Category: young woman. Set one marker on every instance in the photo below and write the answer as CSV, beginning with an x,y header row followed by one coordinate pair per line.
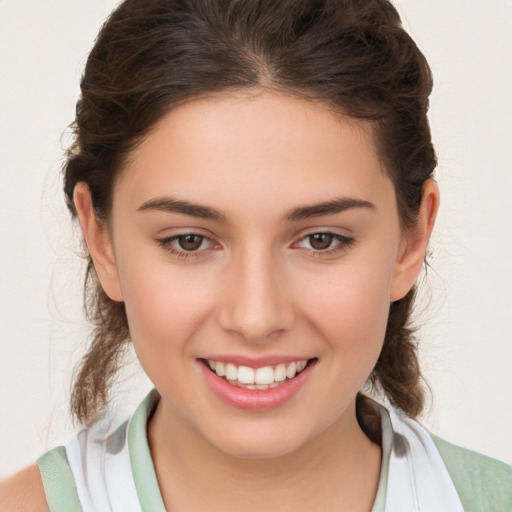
x,y
254,184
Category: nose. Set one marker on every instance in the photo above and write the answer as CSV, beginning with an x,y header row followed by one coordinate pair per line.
x,y
255,304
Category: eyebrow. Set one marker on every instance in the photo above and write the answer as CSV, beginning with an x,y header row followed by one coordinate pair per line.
x,y
171,205
331,207
327,208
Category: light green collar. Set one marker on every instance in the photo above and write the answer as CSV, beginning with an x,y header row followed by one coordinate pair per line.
x,y
140,457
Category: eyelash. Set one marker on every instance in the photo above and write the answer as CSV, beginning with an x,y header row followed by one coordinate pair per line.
x,y
344,243
166,243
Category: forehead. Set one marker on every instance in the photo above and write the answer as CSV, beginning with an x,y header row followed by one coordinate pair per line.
x,y
253,151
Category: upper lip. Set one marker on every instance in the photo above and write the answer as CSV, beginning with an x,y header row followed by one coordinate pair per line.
x,y
256,362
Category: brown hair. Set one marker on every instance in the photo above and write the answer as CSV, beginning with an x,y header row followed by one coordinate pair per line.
x,y
151,55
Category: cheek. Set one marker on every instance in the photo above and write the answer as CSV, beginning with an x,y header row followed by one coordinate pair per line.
x,y
350,308
165,304
351,314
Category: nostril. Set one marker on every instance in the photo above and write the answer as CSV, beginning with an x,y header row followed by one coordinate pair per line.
x,y
256,317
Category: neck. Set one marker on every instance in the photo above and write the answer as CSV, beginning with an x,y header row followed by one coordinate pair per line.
x,y
337,470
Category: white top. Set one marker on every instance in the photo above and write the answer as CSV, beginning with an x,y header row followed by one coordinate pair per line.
x,y
112,468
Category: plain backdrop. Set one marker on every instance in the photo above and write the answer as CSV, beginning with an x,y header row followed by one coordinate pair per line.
x,y
466,317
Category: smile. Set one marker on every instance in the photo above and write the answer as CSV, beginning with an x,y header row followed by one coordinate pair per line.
x,y
266,377
257,389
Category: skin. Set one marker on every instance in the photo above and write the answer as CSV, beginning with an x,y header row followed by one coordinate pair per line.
x,y
257,287
23,492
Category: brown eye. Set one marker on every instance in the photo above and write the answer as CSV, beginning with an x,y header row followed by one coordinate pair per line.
x,y
320,241
190,242
187,245
324,244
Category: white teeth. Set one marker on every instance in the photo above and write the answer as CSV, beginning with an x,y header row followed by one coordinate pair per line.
x,y
266,377
231,372
280,373
291,370
220,369
246,375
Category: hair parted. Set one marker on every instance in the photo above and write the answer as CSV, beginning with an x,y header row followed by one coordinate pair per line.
x,y
152,55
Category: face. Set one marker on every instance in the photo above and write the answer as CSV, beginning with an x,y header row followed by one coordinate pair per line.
x,y
256,231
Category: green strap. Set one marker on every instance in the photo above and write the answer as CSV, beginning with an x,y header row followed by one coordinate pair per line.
x,y
58,482
140,456
483,484
387,443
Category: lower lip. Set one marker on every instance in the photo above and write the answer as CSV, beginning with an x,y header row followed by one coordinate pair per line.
x,y
251,399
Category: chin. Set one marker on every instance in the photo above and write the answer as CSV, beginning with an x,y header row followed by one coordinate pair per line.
x,y
259,448
267,440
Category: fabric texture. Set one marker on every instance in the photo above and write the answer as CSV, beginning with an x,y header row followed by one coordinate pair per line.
x,y
483,484
58,481
108,467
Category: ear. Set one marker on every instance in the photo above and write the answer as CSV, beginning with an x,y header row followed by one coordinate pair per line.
x,y
415,242
98,240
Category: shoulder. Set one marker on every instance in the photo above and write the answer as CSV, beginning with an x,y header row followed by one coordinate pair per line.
x,y
23,492
483,483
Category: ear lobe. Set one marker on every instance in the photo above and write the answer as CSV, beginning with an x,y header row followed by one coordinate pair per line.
x,y
415,243
97,238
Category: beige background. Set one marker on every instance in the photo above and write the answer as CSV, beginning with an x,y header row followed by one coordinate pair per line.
x,y
467,326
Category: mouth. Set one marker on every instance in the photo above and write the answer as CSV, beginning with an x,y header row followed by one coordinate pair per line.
x,y
256,389
260,379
